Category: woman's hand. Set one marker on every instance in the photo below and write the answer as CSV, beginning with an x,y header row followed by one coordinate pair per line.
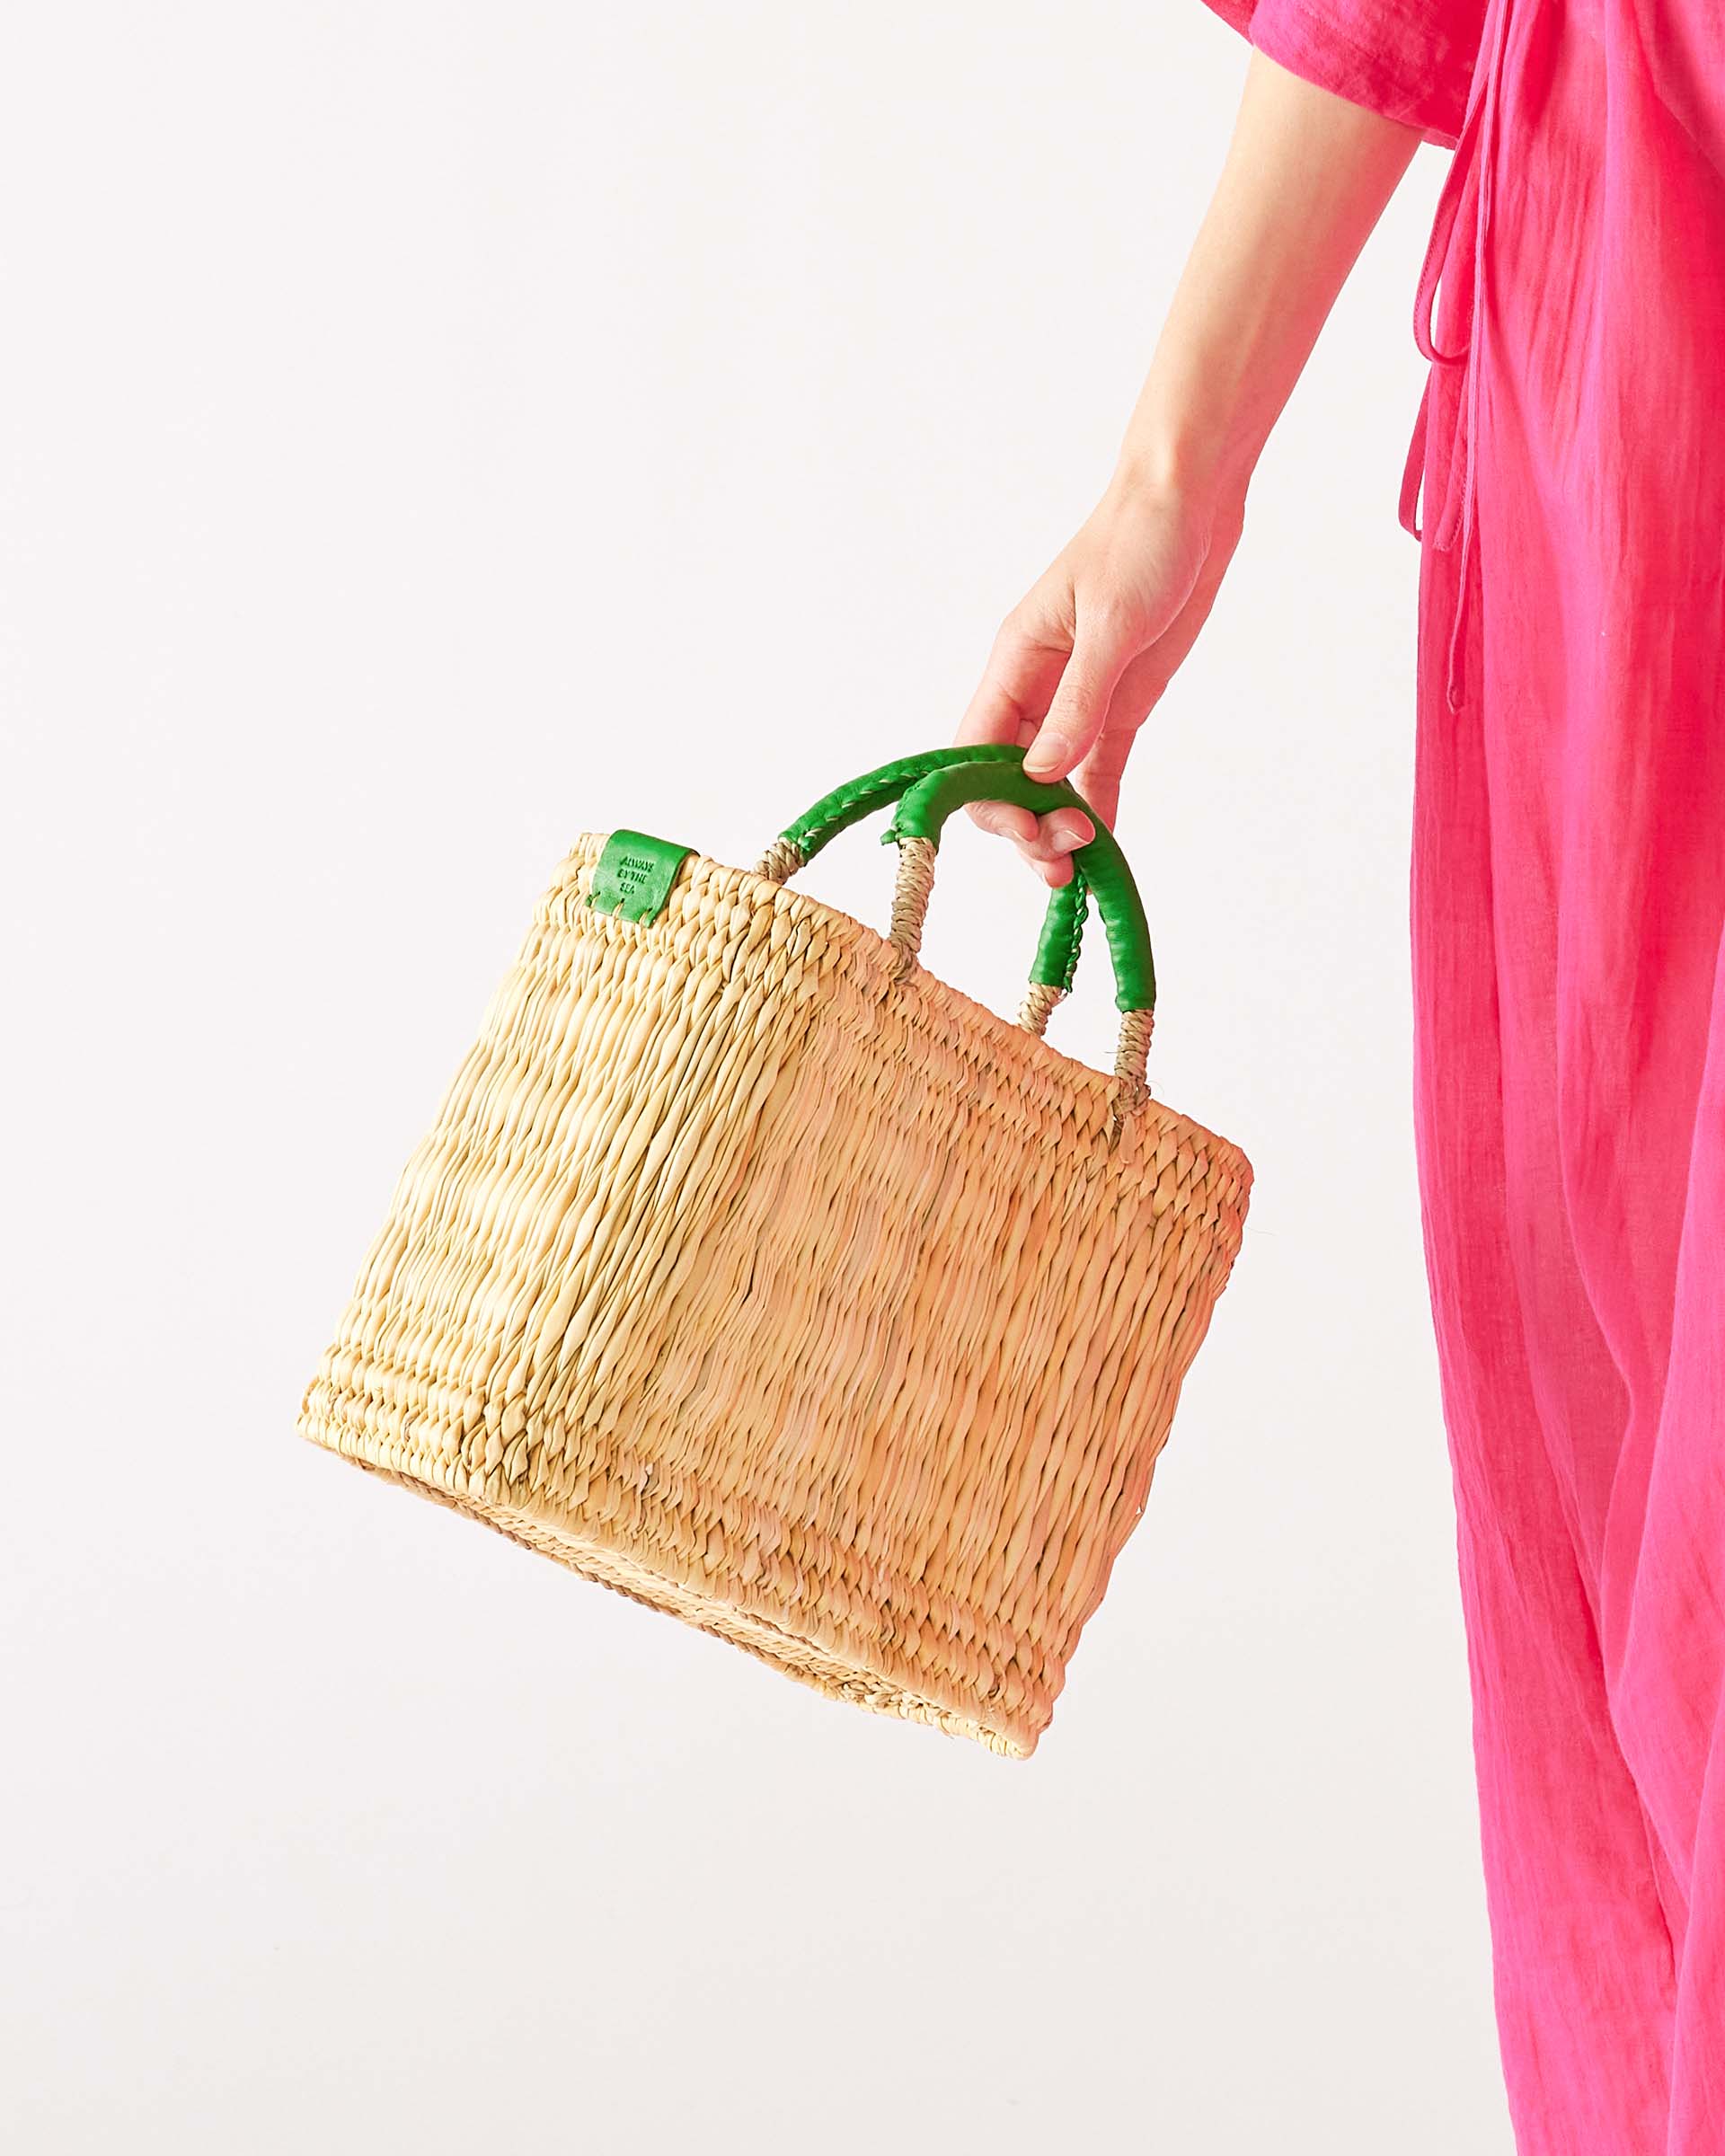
x,y
1084,656
1080,661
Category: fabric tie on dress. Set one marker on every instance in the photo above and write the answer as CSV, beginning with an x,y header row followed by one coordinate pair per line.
x,y
1474,155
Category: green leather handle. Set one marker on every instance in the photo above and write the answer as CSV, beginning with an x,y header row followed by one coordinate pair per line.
x,y
930,786
1063,929
1056,951
926,806
846,805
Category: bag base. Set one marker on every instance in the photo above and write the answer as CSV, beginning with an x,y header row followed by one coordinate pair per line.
x,y
606,1562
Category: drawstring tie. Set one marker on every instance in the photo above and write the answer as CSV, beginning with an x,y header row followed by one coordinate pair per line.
x,y
1456,514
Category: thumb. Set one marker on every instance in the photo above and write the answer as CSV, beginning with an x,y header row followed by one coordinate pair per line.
x,y
1079,706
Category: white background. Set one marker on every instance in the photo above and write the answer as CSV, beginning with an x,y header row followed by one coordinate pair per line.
x,y
427,432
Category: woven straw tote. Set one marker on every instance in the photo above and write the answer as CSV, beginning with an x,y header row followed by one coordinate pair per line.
x,y
753,1272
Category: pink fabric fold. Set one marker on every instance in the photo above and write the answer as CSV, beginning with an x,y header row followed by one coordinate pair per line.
x,y
1568,917
1409,60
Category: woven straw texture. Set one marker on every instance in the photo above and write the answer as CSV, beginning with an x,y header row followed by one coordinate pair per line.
x,y
817,1305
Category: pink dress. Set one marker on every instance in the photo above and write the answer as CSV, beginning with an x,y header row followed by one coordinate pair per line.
x,y
1568,479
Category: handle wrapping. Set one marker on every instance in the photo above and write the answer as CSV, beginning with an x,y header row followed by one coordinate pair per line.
x,y
925,807
927,788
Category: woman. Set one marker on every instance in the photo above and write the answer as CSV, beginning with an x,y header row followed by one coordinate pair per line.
x,y
1567,480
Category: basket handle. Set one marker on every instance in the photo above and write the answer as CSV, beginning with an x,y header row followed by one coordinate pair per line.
x,y
927,788
1057,953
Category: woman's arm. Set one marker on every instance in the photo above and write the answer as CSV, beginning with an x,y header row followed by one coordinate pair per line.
x,y
1084,657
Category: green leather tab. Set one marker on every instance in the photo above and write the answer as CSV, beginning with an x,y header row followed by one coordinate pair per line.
x,y
634,875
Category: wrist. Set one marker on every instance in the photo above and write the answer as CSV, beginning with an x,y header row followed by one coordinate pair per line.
x,y
1183,460
1187,479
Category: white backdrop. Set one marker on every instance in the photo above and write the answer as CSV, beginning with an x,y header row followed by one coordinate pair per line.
x,y
427,432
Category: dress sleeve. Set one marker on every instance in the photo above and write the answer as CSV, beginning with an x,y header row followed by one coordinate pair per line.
x,y
1409,60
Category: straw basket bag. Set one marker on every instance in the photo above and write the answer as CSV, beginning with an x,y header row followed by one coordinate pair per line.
x,y
755,1272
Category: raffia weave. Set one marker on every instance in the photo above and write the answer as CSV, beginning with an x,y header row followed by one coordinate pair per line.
x,y
819,1306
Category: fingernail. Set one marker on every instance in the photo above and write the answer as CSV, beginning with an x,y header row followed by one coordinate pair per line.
x,y
1066,841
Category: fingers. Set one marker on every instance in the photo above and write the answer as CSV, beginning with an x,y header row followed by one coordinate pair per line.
x,y
1140,689
1028,686
1098,777
1082,660
1056,838
1080,705
1130,617
1027,682
1017,683
1004,821
1022,674
1046,842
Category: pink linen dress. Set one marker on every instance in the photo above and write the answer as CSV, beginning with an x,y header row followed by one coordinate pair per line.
x,y
1567,480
